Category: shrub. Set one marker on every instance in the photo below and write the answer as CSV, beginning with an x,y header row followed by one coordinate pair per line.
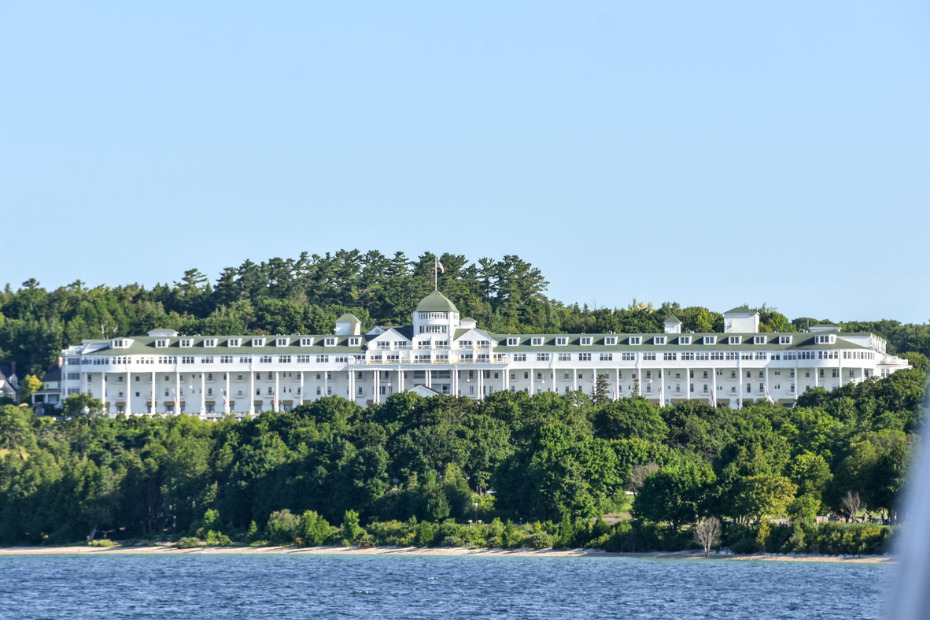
x,y
282,527
539,540
189,542
102,542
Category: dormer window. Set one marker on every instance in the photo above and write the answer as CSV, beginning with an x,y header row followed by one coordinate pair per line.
x,y
282,342
610,341
784,340
734,339
585,340
758,339
659,340
161,343
513,342
329,342
536,341
186,343
234,342
710,340
120,343
306,342
561,341
209,342
355,341
825,339
684,340
258,342
636,340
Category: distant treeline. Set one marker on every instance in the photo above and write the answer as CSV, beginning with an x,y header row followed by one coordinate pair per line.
x,y
287,296
559,461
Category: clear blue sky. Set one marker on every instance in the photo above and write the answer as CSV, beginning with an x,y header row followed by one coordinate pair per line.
x,y
706,153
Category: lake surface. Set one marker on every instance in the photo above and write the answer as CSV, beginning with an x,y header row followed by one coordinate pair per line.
x,y
379,586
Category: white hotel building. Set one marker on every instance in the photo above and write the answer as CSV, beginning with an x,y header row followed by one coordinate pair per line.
x,y
213,376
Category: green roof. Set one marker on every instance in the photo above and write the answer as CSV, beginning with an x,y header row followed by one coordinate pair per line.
x,y
436,302
348,318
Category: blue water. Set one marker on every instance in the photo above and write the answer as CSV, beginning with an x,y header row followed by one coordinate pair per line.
x,y
379,586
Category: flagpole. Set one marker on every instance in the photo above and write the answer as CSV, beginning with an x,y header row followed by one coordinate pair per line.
x,y
435,273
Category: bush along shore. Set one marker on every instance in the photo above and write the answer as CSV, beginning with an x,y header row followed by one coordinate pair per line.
x,y
630,536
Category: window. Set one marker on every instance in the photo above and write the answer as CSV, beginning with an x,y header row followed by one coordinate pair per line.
x,y
519,357
659,340
258,342
329,342
234,342
209,342
282,342
561,341
512,342
565,357
610,341
628,357
784,340
355,341
684,340
710,340
186,343
669,357
226,359
306,342
758,339
607,357
635,340
542,357
536,341
584,357
734,339
284,359
161,343
649,357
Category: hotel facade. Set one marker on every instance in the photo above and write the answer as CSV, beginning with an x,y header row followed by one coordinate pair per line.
x,y
442,353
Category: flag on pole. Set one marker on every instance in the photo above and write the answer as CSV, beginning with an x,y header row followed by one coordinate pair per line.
x,y
439,266
713,400
768,397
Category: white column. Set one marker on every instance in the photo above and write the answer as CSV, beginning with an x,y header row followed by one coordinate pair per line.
x,y
177,390
154,405
713,385
226,395
128,393
203,391
687,383
301,399
739,376
574,379
251,390
277,391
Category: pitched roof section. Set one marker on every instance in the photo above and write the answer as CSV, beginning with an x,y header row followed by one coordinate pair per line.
x,y
740,310
436,302
348,318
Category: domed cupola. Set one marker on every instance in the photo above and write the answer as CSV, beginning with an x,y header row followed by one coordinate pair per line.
x,y
435,314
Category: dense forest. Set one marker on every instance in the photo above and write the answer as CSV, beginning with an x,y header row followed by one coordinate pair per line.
x,y
417,471
287,296
512,470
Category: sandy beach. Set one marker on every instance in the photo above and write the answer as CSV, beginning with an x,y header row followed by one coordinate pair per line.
x,y
165,549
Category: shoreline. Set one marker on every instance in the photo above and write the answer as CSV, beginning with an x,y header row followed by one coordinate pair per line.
x,y
166,549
